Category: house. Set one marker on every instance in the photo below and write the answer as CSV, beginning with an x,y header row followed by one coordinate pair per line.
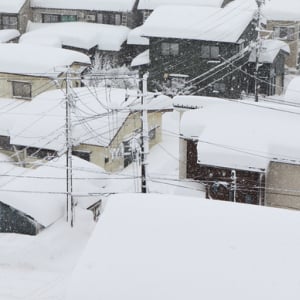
x,y
106,126
283,23
169,247
14,14
33,199
146,7
113,12
107,42
205,53
222,147
271,71
28,70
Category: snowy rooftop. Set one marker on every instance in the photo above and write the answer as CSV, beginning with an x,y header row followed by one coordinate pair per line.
x,y
40,193
11,6
7,35
77,34
135,37
236,141
292,93
141,59
199,23
37,60
288,10
270,49
169,247
48,111
152,4
100,5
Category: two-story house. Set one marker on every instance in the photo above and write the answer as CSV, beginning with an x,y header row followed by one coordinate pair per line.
x,y
205,52
283,23
146,7
113,12
14,14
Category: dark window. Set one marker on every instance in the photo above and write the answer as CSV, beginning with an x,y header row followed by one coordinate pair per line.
x,y
284,32
9,22
109,18
170,48
50,18
82,154
21,89
152,134
209,52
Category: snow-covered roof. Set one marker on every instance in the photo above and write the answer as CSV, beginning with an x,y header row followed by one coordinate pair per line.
x,y
40,193
269,50
7,35
153,4
100,5
141,59
77,34
292,93
169,247
135,37
37,60
245,136
278,10
42,124
11,6
199,23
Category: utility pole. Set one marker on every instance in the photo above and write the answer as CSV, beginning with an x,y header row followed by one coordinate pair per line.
x,y
233,185
144,137
257,48
69,147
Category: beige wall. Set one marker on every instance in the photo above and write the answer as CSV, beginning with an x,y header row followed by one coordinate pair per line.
x,y
292,59
24,16
182,158
283,185
38,84
113,152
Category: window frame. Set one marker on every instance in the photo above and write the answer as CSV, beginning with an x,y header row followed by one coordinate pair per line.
x,y
22,95
210,52
170,49
9,25
286,33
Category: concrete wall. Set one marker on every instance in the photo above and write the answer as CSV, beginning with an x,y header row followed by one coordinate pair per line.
x,y
24,16
292,59
283,185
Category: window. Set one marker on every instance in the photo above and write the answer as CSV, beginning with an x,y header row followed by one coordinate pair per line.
x,y
68,18
209,52
219,87
21,89
152,134
109,18
170,48
50,18
9,22
284,32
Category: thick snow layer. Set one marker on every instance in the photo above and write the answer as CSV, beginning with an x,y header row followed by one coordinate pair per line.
x,y
152,4
77,34
100,5
199,23
287,10
141,59
37,60
292,93
245,136
7,35
167,247
104,111
135,37
11,6
40,193
38,267
269,50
